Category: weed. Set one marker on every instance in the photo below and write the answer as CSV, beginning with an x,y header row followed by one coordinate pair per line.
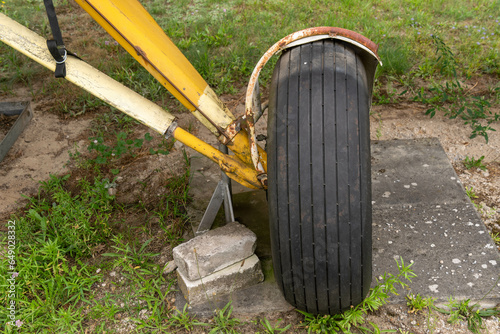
x,y
470,163
395,55
163,148
183,320
50,291
76,158
454,100
270,329
496,239
171,209
470,193
104,122
473,314
354,317
418,303
139,80
131,258
223,322
153,293
386,95
445,61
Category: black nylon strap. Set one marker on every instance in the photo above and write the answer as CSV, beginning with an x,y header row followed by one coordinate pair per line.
x,y
56,45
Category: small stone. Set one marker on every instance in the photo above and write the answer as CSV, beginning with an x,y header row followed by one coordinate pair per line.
x,y
171,266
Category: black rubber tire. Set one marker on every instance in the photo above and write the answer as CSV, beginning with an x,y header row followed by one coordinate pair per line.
x,y
319,177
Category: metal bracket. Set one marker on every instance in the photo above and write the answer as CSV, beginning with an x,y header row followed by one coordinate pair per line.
x,y
222,194
23,109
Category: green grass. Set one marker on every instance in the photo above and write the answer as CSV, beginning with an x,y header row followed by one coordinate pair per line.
x,y
417,303
273,329
73,224
471,162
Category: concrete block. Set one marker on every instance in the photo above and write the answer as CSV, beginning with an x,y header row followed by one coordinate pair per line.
x,y
214,250
239,275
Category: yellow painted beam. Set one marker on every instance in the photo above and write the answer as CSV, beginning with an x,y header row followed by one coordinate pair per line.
x,y
128,22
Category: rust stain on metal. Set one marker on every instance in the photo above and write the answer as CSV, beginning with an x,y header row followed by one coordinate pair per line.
x,y
232,130
263,180
141,52
333,32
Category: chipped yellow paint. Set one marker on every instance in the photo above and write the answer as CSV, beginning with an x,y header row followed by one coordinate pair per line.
x,y
212,106
232,166
240,146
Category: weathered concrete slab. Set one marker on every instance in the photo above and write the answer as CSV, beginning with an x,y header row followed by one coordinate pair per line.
x,y
427,218
214,250
421,213
211,288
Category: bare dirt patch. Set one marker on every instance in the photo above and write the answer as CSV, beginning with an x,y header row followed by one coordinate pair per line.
x,y
41,149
